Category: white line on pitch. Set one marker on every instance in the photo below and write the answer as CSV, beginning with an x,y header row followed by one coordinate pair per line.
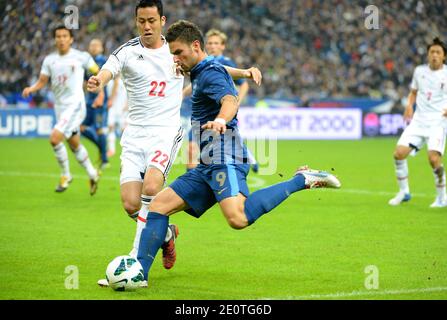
x,y
358,294
253,182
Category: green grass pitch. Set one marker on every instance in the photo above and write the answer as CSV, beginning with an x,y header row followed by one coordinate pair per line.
x,y
316,245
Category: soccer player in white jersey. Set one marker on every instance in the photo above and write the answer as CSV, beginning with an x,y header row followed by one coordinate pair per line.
x,y
153,135
428,124
66,69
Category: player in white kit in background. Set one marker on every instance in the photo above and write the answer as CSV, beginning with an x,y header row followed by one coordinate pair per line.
x,y
428,124
66,69
117,114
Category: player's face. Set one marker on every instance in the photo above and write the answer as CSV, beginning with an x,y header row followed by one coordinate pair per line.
x,y
149,25
63,40
214,46
95,47
186,56
436,57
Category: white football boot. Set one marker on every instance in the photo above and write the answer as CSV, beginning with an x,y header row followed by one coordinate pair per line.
x,y
399,198
440,202
318,178
105,283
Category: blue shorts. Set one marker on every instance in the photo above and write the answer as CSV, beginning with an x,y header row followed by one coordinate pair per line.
x,y
96,117
205,185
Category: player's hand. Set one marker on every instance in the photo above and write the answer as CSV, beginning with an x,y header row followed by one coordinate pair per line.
x,y
444,113
215,126
408,114
254,74
109,103
26,92
94,84
179,70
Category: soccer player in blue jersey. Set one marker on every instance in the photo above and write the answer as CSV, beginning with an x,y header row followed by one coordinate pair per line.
x,y
221,175
95,126
215,46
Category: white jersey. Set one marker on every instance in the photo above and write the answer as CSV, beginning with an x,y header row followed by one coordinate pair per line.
x,y
431,99
154,91
67,76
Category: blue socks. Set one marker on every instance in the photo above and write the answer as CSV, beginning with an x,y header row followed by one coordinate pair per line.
x,y
152,238
102,145
265,200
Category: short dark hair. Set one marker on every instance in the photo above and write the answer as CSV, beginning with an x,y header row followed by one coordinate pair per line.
x,y
185,31
150,3
62,27
438,42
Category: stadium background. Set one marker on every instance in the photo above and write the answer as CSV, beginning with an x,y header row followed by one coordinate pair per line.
x,y
314,54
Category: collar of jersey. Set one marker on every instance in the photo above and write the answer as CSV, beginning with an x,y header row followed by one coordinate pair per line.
x,y
197,68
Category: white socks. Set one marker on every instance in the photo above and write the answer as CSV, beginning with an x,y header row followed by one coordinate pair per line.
x,y
440,181
141,221
61,154
81,155
402,175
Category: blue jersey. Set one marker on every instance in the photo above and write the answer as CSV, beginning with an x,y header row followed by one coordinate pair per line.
x,y
226,61
210,83
100,61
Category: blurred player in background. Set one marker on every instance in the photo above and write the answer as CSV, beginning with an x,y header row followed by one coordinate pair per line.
x,y
428,124
66,68
117,107
215,46
95,126
220,177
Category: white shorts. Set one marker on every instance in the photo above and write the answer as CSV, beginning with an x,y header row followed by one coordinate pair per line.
x,y
144,147
416,135
70,118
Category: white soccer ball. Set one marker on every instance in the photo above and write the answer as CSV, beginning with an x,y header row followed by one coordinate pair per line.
x,y
124,273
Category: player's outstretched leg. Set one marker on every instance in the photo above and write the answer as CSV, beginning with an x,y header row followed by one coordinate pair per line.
x,y
265,200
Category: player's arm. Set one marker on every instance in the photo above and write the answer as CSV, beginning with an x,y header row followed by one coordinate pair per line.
x,y
41,82
97,83
243,91
228,110
251,73
408,114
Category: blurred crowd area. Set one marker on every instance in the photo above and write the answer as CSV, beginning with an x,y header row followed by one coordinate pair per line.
x,y
306,49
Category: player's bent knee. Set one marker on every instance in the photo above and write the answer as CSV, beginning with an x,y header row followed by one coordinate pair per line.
x,y
131,207
435,160
238,223
152,189
400,155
